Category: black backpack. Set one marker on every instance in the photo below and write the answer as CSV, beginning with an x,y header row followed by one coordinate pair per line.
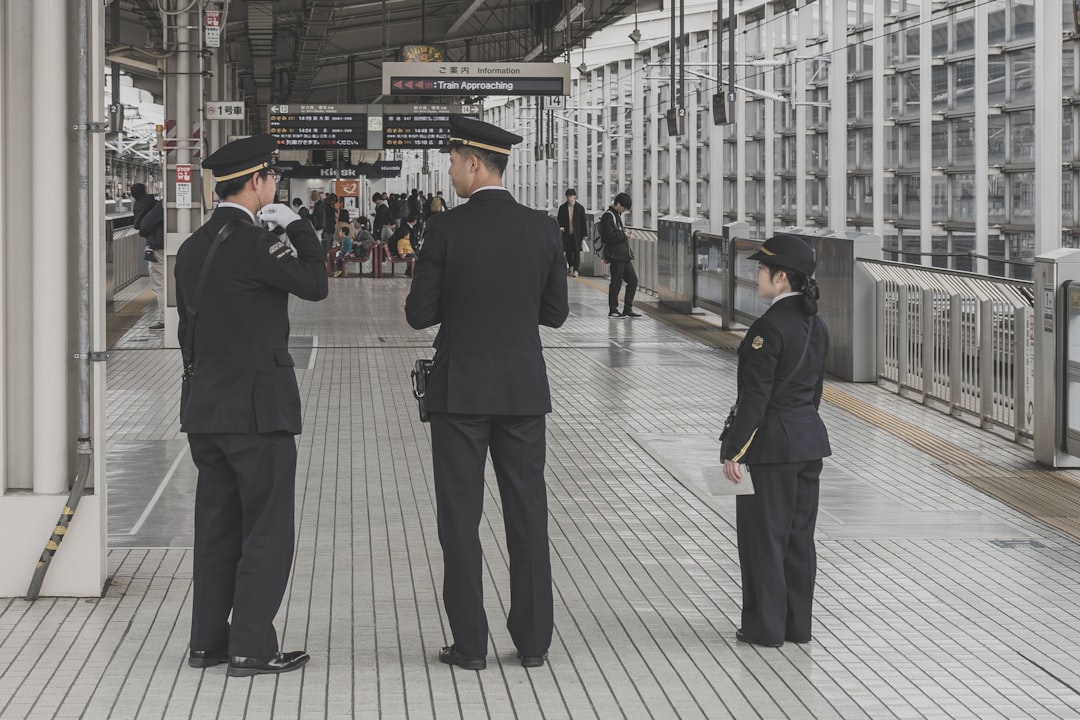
x,y
597,236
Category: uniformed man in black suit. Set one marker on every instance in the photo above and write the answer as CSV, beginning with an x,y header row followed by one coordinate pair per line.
x,y
491,272
778,433
240,406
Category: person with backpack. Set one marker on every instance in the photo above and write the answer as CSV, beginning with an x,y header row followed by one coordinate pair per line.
x,y
572,224
615,248
149,219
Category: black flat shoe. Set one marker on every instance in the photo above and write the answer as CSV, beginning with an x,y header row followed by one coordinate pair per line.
x,y
207,658
240,666
743,639
450,656
531,661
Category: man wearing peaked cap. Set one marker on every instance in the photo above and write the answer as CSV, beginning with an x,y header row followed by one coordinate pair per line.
x,y
240,406
491,272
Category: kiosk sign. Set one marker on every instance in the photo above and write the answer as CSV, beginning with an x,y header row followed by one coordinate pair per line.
x,y
476,78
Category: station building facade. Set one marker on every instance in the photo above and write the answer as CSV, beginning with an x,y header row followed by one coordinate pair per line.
x,y
922,121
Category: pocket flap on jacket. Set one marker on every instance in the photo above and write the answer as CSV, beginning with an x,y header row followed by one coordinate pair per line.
x,y
283,358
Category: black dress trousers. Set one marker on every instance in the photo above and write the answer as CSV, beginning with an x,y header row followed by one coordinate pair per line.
x,y
775,527
243,539
459,445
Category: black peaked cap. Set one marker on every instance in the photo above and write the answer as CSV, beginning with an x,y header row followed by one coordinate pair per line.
x,y
241,157
789,252
478,134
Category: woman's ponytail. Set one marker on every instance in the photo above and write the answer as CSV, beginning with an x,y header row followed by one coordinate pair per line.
x,y
809,288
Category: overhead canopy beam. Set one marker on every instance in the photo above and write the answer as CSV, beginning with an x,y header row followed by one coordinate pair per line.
x,y
476,5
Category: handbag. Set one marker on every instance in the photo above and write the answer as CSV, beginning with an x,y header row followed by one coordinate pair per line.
x,y
420,373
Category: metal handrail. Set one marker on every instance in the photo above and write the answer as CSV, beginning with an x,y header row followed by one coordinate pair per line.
x,y
962,341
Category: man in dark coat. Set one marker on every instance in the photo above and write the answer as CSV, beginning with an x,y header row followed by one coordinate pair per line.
x,y
617,253
148,217
490,271
572,223
240,407
382,213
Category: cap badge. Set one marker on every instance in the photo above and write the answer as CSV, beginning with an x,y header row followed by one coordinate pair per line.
x,y
758,342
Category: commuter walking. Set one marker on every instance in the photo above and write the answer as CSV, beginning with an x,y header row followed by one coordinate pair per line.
x,y
148,217
572,225
240,406
618,255
490,271
777,432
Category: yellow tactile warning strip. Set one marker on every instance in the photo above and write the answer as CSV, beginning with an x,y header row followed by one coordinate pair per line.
x,y
120,321
1050,497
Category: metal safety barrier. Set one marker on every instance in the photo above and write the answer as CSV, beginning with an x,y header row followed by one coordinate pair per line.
x,y
960,341
124,262
643,245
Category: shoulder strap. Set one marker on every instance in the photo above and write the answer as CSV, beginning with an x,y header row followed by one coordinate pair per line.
x,y
187,348
802,356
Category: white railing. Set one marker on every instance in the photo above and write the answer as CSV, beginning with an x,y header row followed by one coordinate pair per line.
x,y
959,341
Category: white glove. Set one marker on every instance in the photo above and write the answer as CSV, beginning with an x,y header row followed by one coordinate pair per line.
x,y
277,214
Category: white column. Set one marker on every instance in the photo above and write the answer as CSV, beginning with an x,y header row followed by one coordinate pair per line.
x,y
769,127
50,229
691,149
801,77
837,210
926,155
739,118
654,154
637,150
982,135
1048,81
716,143
878,131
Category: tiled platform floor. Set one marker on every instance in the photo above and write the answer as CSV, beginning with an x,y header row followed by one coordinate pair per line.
x,y
933,599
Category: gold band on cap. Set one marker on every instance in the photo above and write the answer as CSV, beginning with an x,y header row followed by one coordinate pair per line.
x,y
766,250
260,166
482,146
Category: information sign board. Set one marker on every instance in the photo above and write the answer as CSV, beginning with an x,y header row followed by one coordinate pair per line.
x,y
183,186
467,78
212,23
332,127
223,110
420,127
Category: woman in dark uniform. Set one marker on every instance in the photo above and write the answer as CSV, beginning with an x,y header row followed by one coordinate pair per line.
x,y
778,433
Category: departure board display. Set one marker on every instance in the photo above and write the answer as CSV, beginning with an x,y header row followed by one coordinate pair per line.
x,y
314,127
420,127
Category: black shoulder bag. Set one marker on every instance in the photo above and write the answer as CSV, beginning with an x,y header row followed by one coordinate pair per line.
x,y
187,346
730,420
420,374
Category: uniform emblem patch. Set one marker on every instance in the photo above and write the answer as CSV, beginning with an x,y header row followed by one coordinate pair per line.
x,y
758,342
280,250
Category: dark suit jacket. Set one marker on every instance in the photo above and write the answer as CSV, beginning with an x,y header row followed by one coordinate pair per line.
x,y
613,232
491,271
244,380
784,427
382,215
579,220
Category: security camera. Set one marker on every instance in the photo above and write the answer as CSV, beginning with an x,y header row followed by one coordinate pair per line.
x,y
583,68
635,35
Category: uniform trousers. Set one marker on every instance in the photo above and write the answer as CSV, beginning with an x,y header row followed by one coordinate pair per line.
x,y
776,551
572,248
243,539
459,447
622,270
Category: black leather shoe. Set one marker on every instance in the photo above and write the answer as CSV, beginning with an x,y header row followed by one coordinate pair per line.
x,y
630,314
743,639
207,658
450,656
531,661
797,641
240,666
